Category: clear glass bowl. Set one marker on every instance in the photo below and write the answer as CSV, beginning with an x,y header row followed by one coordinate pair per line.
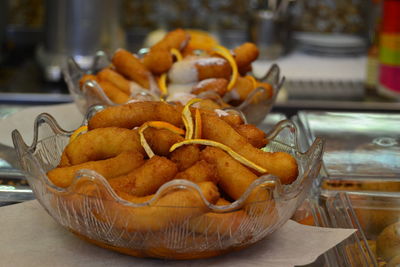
x,y
93,211
257,105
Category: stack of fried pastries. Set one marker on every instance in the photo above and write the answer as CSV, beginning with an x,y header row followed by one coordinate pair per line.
x,y
140,146
182,66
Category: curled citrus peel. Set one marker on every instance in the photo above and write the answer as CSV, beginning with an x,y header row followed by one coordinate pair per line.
x,y
227,149
162,84
187,118
175,52
224,52
157,125
197,125
77,132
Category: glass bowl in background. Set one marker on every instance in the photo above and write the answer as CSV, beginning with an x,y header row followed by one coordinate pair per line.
x,y
93,211
255,107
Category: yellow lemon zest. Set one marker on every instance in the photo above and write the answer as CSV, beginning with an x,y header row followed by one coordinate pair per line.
x,y
78,132
177,54
232,153
187,118
224,52
197,125
162,84
157,125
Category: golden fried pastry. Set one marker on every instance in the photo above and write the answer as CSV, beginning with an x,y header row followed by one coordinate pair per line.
x,y
242,88
116,79
245,54
281,164
135,114
195,69
146,179
158,61
113,93
218,85
234,178
232,120
201,171
102,143
254,136
185,156
177,39
211,223
170,209
130,66
86,77
199,40
108,168
161,140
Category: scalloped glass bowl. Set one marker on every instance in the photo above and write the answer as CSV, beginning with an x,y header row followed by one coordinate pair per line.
x,y
90,208
257,105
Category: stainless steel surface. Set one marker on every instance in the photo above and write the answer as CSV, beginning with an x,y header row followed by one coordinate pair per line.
x,y
270,33
14,194
325,90
78,29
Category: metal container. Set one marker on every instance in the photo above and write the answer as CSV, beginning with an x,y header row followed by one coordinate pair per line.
x,y
270,32
78,29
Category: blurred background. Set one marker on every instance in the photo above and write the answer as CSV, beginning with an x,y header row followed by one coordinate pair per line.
x,y
327,49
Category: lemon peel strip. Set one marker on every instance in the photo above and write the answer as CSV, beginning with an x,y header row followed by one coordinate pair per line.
x,y
187,118
197,125
224,52
162,84
227,149
177,54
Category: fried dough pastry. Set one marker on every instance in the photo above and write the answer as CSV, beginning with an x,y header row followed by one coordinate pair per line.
x,y
185,156
234,178
177,39
135,114
254,136
242,88
232,120
170,209
201,171
159,59
86,77
218,223
146,179
109,168
245,54
160,140
116,79
281,164
130,66
218,85
102,143
114,93
199,40
194,69
267,87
